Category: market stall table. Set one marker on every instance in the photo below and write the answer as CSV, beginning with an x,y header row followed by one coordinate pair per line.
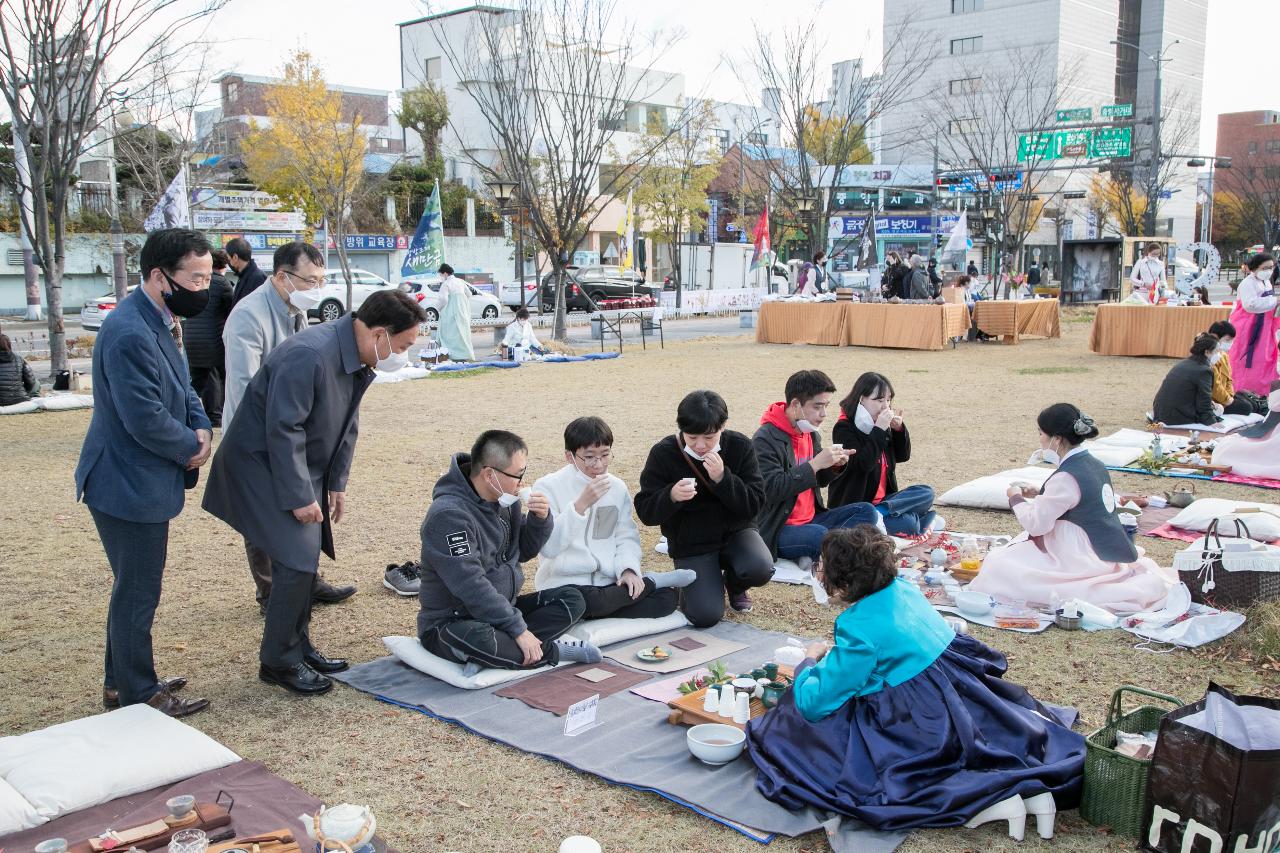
x,y
1013,319
865,324
1151,329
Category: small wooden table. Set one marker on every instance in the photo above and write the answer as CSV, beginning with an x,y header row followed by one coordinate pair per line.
x,y
1011,319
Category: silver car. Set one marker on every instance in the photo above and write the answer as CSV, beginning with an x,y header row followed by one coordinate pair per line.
x,y
333,293
96,310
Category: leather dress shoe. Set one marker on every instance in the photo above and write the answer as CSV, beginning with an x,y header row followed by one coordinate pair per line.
x,y
326,593
166,703
298,678
111,696
322,664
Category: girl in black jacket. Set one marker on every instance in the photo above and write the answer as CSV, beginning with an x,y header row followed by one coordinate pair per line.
x,y
703,486
1186,395
877,439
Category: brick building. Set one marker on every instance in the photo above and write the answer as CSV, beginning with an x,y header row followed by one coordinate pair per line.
x,y
1252,141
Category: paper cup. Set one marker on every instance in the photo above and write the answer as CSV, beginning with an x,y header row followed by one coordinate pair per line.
x,y
524,494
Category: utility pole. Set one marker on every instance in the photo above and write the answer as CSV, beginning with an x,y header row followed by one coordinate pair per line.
x,y
933,201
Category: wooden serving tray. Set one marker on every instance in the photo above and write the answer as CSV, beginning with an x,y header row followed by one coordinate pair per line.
x,y
266,844
687,710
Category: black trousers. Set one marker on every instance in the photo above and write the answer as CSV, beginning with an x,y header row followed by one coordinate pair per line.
x,y
614,601
136,552
260,569
286,635
208,383
547,614
741,563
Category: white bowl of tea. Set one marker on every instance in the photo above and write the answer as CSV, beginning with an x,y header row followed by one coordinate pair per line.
x,y
716,743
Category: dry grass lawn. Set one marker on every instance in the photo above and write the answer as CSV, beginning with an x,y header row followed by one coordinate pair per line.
x,y
434,786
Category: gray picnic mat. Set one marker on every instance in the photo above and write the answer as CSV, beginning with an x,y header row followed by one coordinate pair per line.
x,y
634,745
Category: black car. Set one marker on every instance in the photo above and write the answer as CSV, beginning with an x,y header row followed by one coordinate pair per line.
x,y
585,287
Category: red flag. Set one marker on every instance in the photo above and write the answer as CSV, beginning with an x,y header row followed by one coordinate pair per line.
x,y
763,252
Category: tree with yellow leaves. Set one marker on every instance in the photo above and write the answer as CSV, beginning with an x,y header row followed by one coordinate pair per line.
x,y
835,139
1115,198
311,154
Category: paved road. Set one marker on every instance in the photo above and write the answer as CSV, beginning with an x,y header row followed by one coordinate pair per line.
x,y
33,336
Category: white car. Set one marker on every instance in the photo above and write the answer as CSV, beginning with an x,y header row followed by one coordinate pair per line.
x,y
96,310
333,293
427,292
510,294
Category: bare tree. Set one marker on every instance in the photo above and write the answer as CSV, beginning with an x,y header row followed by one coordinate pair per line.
x,y
825,134
1246,201
557,84
63,69
976,134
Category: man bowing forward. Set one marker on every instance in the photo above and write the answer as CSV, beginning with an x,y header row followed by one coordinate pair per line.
x,y
279,476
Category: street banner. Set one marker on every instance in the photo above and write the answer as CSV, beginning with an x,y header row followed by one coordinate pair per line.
x,y
426,252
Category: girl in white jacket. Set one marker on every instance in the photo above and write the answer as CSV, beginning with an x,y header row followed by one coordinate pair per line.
x,y
595,543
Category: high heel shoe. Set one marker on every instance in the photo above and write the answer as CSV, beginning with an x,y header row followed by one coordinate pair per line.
x,y
1046,812
1013,810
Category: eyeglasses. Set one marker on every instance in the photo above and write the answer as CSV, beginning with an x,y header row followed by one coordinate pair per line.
x,y
602,459
517,477
198,282
314,281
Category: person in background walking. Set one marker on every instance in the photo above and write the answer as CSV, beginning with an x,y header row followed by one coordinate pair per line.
x,y
455,316
17,383
248,277
145,445
202,339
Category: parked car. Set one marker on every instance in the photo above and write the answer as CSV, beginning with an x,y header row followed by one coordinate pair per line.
x,y
96,310
510,294
333,293
587,286
427,292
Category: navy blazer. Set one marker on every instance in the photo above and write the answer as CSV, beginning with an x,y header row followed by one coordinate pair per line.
x,y
145,414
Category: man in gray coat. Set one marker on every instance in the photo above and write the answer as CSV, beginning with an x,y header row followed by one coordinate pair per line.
x,y
279,476
259,323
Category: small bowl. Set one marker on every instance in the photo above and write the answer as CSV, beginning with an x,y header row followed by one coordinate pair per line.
x,y
744,685
1065,622
716,743
180,806
975,604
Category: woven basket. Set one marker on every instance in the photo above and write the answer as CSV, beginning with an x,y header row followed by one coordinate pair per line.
x,y
1115,785
1228,579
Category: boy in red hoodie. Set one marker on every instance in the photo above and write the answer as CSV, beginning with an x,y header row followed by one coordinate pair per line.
x,y
795,467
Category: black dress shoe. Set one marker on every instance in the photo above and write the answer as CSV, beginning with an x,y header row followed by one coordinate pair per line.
x,y
166,703
298,678
111,696
320,663
326,593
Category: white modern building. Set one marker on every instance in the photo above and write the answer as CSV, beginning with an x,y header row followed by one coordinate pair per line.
x,y
742,123
1070,44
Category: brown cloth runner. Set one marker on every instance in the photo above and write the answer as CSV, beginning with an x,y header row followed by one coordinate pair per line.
x,y
1015,318
263,802
1151,329
557,689
866,324
711,648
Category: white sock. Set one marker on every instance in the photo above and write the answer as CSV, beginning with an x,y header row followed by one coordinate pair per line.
x,y
578,651
674,578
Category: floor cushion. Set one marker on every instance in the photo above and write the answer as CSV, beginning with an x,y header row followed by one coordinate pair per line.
x,y
409,651
26,407
16,814
990,492
606,632
1263,526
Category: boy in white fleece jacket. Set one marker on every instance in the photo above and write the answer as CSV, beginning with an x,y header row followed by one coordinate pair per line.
x,y
595,544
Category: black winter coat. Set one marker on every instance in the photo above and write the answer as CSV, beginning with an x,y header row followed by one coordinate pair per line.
x,y
249,280
202,334
1186,395
895,276
701,525
861,476
17,382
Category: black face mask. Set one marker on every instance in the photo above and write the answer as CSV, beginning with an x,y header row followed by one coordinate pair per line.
x,y
183,302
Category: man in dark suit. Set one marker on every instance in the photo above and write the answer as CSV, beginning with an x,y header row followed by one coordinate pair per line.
x,y
148,437
280,474
248,277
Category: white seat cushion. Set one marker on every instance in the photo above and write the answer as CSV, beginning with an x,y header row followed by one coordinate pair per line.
x,y
409,651
26,407
65,402
1263,526
86,762
606,632
16,814
990,492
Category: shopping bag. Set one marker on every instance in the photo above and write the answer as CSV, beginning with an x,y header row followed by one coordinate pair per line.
x,y
1215,777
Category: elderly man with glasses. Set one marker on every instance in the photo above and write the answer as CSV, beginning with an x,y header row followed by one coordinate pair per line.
x,y
259,323
595,544
474,538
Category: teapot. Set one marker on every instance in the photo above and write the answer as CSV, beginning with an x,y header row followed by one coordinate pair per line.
x,y
341,827
1181,497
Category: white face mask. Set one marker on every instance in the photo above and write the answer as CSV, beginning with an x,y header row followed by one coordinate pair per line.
x,y
1047,455
701,456
504,499
1225,346
303,300
862,419
1264,276
805,426
1215,357
393,361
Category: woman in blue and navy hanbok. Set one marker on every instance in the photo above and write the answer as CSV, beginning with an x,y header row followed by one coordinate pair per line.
x,y
903,723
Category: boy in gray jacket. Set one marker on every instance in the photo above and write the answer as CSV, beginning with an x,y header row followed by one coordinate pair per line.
x,y
474,539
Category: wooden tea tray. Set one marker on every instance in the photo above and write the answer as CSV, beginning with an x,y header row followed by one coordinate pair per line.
x,y
1208,469
687,710
266,844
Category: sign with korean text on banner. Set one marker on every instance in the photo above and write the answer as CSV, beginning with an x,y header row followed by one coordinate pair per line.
x,y
248,220
1117,111
1080,114
840,227
1098,142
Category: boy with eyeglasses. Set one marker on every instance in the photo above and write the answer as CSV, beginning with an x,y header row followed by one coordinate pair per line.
x,y
595,544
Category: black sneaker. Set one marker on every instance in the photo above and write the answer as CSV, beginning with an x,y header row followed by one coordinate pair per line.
x,y
403,579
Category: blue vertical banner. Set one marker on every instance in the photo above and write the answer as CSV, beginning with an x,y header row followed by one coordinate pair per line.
x,y
426,252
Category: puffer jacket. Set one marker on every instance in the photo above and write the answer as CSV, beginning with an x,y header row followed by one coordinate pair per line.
x,y
17,382
202,334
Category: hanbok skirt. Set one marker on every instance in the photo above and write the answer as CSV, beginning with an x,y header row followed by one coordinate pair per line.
x,y
1253,356
932,751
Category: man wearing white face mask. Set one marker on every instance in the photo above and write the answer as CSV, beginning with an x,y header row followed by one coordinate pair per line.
x,y
260,322
474,538
279,476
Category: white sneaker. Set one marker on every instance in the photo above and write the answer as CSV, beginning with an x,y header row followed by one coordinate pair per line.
x,y
938,524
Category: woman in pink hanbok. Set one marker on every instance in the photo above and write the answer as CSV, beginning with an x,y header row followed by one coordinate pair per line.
x,y
1074,546
1254,452
1253,358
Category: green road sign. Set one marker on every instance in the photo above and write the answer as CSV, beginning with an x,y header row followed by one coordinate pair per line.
x,y
1079,114
1117,111
1084,142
